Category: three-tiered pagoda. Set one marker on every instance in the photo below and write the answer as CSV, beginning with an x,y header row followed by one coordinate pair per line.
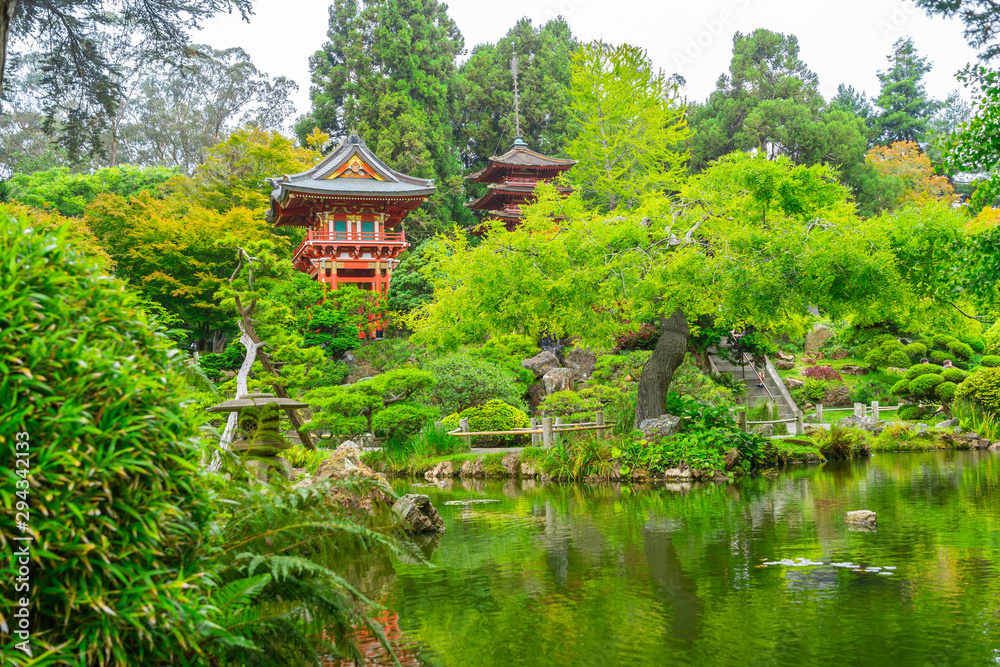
x,y
353,205
511,179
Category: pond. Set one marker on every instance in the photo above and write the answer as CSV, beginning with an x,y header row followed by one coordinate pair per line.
x,y
759,572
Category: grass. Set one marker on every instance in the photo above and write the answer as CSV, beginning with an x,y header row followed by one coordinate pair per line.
x,y
972,417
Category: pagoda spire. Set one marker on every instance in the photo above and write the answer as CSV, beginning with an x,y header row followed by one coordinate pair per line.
x,y
517,99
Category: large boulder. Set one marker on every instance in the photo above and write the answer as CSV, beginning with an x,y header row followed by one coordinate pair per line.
x,y
536,394
817,337
473,468
418,515
663,426
837,396
851,369
793,383
345,464
512,463
582,360
558,379
541,363
861,518
784,364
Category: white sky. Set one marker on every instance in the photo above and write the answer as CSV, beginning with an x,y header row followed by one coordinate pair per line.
x,y
844,41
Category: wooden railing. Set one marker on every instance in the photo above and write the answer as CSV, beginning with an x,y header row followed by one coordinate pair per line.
x,y
544,429
326,236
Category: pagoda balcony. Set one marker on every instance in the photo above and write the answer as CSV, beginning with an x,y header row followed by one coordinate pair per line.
x,y
521,181
321,242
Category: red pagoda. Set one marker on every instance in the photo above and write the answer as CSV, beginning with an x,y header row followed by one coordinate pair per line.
x,y
511,179
353,205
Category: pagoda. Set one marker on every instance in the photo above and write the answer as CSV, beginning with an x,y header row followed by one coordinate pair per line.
x,y
511,179
352,205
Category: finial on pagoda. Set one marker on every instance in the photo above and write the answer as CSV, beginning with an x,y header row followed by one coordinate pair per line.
x,y
517,99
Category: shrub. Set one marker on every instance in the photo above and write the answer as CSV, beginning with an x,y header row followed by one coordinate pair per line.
x,y
899,359
462,381
990,361
300,457
923,385
922,369
945,391
495,415
960,349
909,412
867,391
814,389
821,373
975,341
982,386
955,375
120,513
991,338
614,368
328,373
942,340
229,359
387,354
901,388
645,338
841,442
939,357
915,351
578,406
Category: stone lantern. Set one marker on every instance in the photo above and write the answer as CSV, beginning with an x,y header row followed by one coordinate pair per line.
x,y
258,432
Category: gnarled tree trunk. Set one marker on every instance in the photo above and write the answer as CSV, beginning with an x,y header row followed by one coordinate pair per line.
x,y
659,370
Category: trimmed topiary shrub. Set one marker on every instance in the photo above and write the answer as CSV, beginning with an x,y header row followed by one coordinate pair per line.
x,y
945,391
922,369
942,340
991,338
462,381
982,386
898,359
119,513
915,351
960,349
923,385
912,412
955,375
939,357
494,415
901,388
990,361
975,341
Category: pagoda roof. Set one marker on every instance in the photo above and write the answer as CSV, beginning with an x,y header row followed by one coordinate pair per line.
x,y
497,194
350,171
518,157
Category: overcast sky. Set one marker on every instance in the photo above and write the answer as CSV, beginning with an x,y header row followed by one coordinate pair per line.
x,y
843,41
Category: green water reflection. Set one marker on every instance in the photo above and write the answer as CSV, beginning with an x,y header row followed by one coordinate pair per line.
x,y
669,574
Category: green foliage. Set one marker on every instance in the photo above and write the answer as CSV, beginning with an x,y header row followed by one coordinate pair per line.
x,y
915,351
462,381
494,415
433,441
229,359
939,357
327,373
578,406
972,417
300,457
410,288
945,391
69,194
866,391
923,369
923,385
990,361
614,368
840,442
898,359
901,388
975,341
912,412
905,108
814,389
352,410
983,387
992,339
889,353
617,93
960,349
943,340
119,511
956,375
388,353
508,351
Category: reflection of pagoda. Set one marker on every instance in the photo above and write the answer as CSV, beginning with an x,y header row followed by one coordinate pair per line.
x,y
353,205
511,179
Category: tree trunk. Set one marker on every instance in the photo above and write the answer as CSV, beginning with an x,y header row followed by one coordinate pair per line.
x,y
219,341
7,8
659,370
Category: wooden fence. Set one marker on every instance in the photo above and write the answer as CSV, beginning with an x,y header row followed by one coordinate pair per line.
x,y
542,431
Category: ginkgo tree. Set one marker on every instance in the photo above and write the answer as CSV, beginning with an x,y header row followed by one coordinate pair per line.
x,y
750,241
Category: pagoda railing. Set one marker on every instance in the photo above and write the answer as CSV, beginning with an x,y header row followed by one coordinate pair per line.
x,y
529,182
325,236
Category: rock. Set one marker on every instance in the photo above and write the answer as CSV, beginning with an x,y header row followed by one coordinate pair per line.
x,y
851,369
582,360
345,463
815,338
893,370
861,518
793,383
672,473
558,379
659,427
837,396
720,476
785,356
732,458
512,463
285,466
536,394
418,513
349,358
840,354
766,430
995,447
784,364
442,470
541,363
473,468
982,444
948,423
528,471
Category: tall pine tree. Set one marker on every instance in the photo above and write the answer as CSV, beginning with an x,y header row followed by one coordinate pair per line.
x,y
904,107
